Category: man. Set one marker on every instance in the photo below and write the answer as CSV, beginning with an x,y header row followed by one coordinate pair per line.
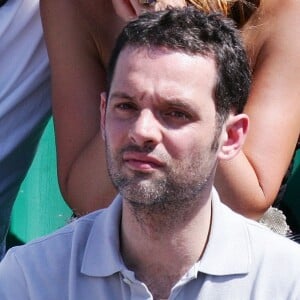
x,y
177,85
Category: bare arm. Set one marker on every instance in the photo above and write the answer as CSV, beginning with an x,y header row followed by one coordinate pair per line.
x,y
78,77
250,182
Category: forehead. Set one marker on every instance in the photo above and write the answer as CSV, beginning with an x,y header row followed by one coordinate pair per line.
x,y
164,73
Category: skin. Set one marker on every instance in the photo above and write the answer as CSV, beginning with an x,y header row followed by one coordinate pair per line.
x,y
79,56
251,181
155,126
145,117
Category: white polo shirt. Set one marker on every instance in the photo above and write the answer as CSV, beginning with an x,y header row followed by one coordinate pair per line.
x,y
242,260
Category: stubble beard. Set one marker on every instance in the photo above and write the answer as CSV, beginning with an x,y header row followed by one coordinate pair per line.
x,y
171,195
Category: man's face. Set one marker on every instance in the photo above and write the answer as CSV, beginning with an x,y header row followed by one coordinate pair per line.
x,y
159,125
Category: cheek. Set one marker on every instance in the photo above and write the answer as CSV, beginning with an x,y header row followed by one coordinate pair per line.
x,y
186,143
181,145
116,132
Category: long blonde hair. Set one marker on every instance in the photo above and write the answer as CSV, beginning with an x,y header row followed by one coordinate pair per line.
x,y
239,10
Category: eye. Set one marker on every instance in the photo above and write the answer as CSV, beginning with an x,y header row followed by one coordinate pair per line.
x,y
179,115
125,106
124,109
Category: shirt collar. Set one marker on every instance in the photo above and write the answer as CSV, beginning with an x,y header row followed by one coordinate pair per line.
x,y
102,255
227,252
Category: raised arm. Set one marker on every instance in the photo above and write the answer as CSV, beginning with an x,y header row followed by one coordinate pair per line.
x,y
250,182
78,78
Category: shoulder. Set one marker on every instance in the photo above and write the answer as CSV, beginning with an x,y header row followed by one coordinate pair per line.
x,y
272,25
277,13
89,27
273,270
59,245
84,247
270,248
277,7
31,266
262,242
271,256
93,11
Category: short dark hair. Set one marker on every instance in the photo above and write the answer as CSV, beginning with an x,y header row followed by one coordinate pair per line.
x,y
194,32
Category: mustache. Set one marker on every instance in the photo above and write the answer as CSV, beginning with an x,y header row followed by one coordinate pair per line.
x,y
136,148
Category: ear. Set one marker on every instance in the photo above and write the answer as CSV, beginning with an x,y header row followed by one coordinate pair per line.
x,y
236,129
103,113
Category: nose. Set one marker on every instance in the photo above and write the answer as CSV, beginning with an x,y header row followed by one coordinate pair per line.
x,y
146,129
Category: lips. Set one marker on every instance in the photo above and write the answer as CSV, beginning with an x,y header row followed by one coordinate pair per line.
x,y
142,161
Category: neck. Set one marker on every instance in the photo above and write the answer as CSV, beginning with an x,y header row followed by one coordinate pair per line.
x,y
161,246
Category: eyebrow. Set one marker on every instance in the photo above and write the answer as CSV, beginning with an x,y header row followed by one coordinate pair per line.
x,y
121,95
172,101
181,102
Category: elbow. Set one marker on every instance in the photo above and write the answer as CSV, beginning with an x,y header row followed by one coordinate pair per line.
x,y
252,205
63,181
84,194
258,206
